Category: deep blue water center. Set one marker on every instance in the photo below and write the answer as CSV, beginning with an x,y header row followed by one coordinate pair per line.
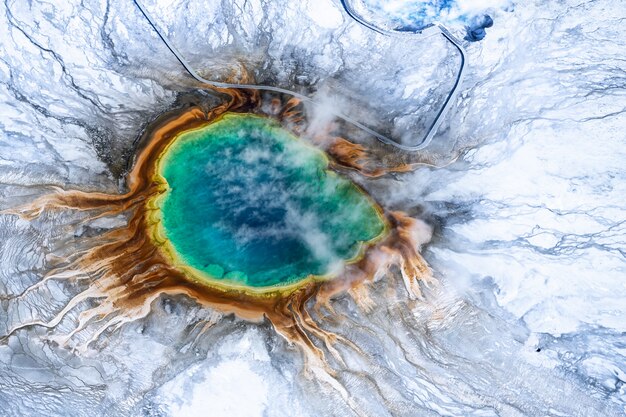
x,y
250,204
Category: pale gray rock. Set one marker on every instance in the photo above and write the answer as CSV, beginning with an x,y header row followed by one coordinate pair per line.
x,y
528,211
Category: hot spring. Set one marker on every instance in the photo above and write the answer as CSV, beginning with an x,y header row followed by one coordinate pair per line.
x,y
248,204
316,208
233,209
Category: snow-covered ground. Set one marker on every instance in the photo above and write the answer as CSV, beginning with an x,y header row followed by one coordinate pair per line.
x,y
528,210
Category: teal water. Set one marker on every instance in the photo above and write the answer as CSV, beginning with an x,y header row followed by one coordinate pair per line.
x,y
250,203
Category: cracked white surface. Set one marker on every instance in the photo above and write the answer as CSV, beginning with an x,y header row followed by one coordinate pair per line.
x,y
529,240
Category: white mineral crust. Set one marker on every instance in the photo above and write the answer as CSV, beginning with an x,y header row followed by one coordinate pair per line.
x,y
529,211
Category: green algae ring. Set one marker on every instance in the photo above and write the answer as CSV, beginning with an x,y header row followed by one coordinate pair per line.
x,y
247,205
